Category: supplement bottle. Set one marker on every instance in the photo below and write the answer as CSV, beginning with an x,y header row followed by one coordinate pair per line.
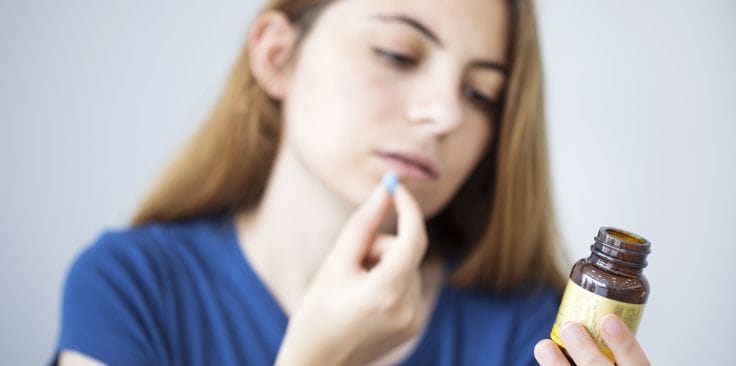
x,y
610,280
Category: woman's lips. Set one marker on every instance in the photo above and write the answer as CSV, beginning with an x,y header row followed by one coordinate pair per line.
x,y
410,166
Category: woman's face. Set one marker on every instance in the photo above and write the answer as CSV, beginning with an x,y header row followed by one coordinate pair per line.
x,y
405,85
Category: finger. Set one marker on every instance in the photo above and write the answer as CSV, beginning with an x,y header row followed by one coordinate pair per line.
x,y
622,343
377,249
581,346
548,354
402,258
354,241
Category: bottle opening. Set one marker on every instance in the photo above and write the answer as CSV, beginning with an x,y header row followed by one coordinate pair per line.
x,y
621,247
625,236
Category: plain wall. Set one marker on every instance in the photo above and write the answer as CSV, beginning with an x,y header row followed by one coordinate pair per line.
x,y
95,98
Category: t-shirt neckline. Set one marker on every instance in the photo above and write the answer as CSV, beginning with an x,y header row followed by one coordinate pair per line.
x,y
242,261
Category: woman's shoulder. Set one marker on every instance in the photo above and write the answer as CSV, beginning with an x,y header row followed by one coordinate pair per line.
x,y
503,324
156,237
514,315
123,287
146,254
532,297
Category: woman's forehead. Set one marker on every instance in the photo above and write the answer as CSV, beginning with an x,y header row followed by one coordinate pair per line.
x,y
477,27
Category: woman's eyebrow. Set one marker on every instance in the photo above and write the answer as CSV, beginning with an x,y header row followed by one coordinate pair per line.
x,y
417,25
493,65
425,31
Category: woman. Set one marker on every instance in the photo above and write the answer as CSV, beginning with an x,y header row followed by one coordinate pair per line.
x,y
272,238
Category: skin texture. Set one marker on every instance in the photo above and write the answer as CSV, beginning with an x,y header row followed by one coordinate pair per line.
x,y
347,100
347,92
345,97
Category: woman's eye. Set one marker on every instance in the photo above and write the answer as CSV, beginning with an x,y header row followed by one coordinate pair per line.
x,y
395,58
480,100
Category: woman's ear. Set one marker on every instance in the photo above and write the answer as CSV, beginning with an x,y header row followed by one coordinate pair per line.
x,y
271,42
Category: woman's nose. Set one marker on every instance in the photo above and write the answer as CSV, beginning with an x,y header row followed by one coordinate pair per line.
x,y
437,106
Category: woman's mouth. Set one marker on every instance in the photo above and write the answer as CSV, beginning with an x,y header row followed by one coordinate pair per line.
x,y
411,165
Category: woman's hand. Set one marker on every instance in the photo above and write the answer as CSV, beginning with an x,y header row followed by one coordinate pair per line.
x,y
584,350
354,312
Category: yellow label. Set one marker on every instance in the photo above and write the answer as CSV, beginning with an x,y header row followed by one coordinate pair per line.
x,y
582,306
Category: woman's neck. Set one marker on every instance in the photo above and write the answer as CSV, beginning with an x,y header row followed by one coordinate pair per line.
x,y
287,236
292,229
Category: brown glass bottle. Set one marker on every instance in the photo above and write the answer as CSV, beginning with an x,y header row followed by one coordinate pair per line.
x,y
610,280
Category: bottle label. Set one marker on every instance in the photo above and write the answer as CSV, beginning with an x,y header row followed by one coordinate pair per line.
x,y
582,306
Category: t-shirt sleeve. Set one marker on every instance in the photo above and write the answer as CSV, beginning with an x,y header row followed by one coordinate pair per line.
x,y
535,317
108,304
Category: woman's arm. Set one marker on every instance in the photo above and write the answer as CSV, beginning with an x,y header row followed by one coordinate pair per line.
x,y
74,358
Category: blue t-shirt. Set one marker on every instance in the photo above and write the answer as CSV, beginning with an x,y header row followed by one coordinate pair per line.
x,y
184,293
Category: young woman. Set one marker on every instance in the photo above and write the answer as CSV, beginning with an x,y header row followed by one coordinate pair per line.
x,y
274,239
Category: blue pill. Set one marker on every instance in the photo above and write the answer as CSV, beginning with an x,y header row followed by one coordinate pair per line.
x,y
390,181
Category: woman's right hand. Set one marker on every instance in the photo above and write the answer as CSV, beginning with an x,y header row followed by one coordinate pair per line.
x,y
352,313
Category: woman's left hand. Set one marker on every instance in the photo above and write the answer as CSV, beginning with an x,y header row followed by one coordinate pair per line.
x,y
583,349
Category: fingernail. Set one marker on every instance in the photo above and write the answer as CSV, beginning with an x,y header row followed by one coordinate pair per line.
x,y
571,332
612,326
545,350
390,181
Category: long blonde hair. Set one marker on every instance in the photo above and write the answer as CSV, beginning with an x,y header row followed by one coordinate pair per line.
x,y
500,226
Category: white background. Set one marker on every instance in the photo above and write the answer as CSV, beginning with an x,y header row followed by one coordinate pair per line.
x,y
95,97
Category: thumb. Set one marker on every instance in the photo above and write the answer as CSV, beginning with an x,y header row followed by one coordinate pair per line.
x,y
357,235
402,259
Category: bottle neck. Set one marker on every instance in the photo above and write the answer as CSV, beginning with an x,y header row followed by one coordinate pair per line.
x,y
612,265
619,252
